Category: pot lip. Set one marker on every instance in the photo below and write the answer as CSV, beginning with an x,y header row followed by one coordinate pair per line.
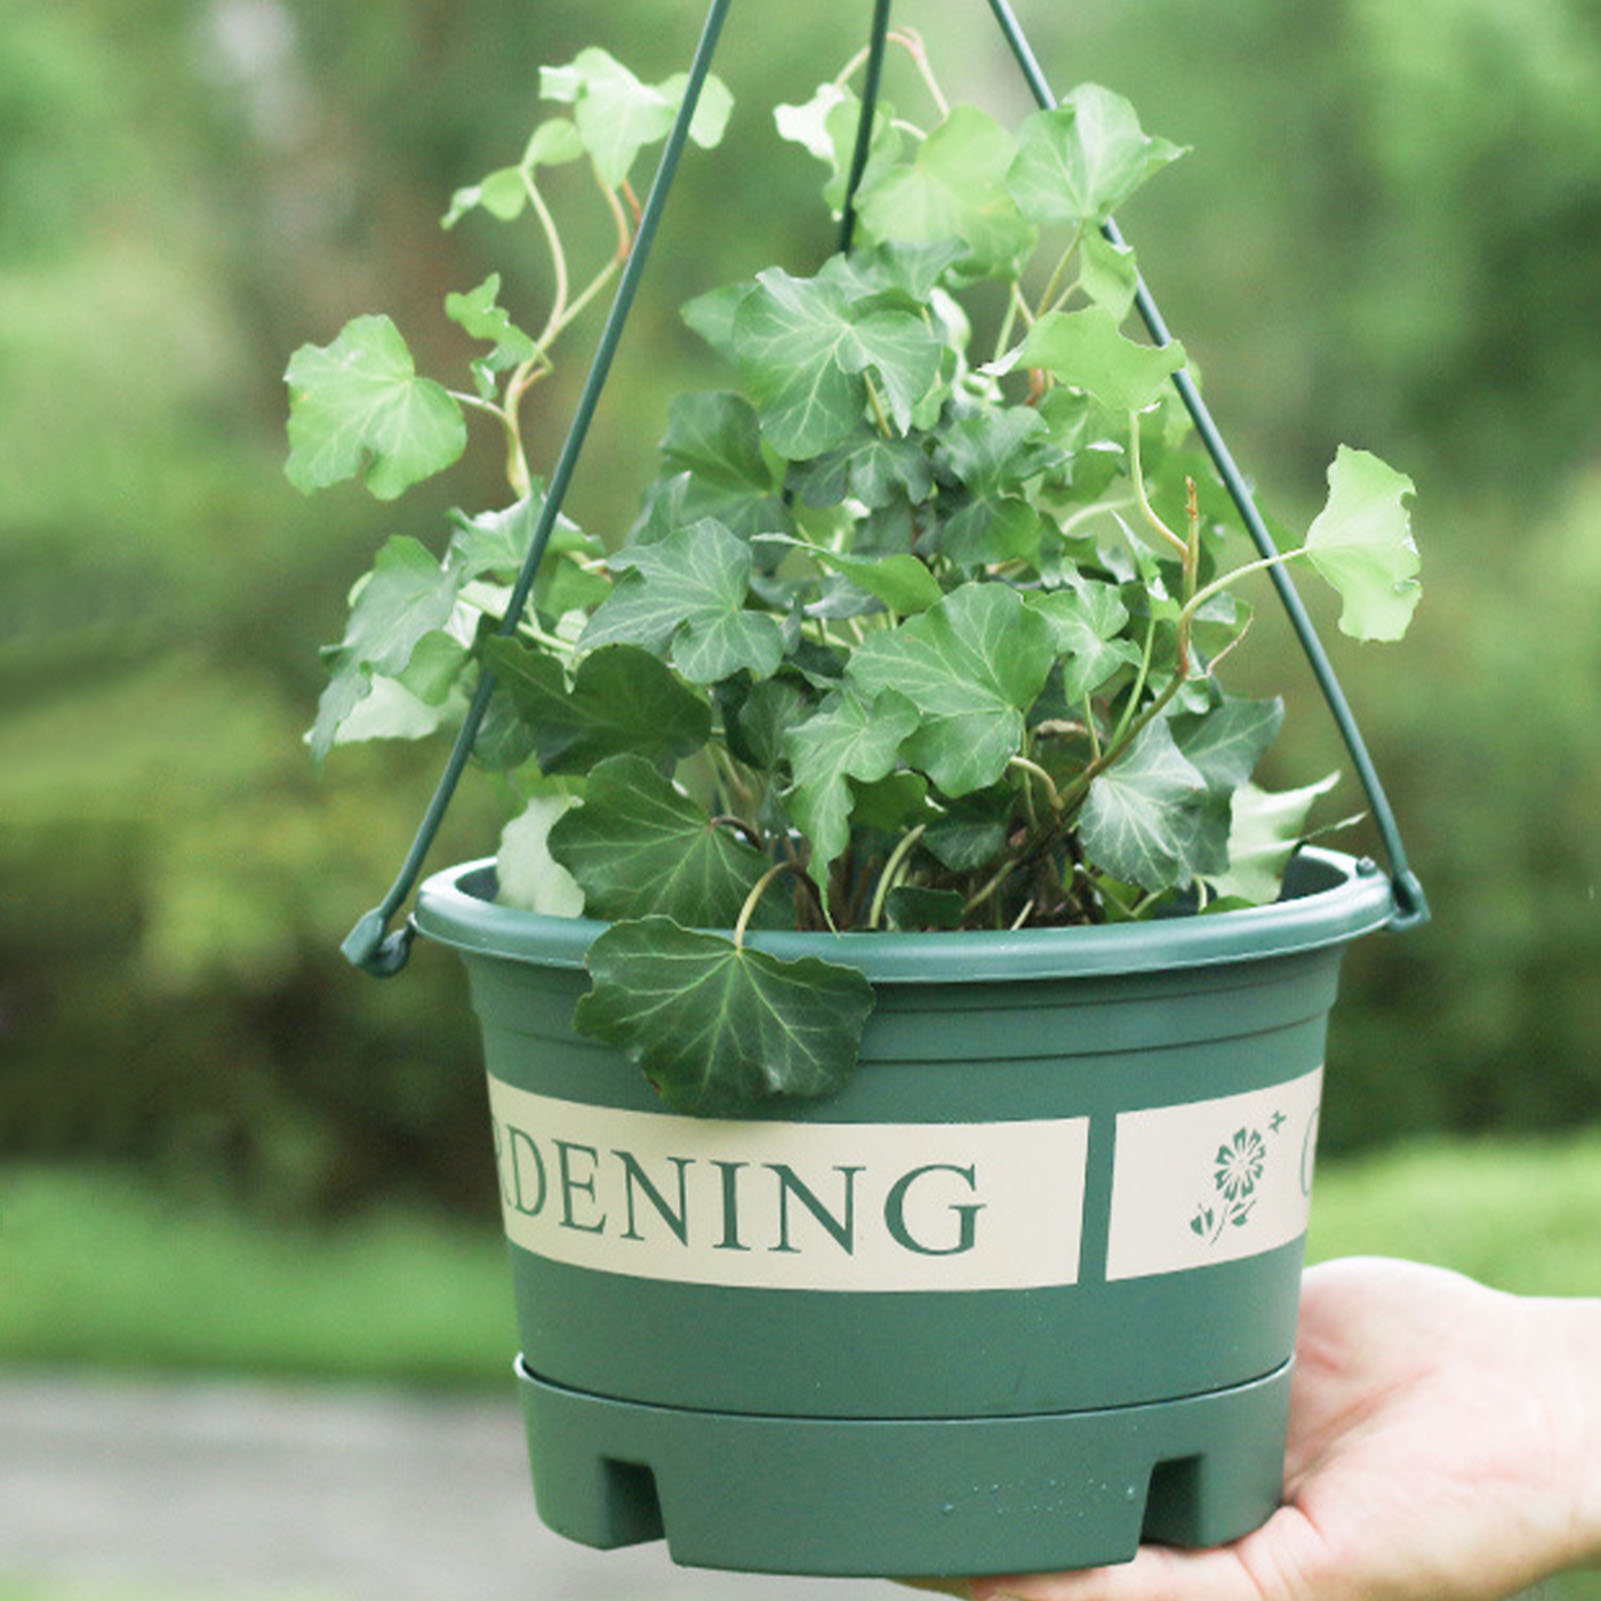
x,y
1342,897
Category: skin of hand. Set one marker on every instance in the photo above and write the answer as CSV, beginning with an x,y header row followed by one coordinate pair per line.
x,y
1445,1445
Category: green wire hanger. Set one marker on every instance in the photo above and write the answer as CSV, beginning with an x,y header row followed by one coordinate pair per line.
x,y
374,948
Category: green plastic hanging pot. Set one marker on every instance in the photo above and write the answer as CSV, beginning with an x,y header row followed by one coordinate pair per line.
x,y
1022,1294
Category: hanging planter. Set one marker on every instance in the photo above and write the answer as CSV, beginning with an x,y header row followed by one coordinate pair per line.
x,y
904,1019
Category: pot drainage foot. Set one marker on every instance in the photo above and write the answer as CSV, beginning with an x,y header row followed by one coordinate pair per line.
x,y
907,1497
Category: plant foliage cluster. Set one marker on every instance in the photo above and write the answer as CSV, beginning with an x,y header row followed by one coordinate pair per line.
x,y
919,625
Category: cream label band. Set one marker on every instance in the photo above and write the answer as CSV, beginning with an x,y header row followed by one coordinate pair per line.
x,y
901,1206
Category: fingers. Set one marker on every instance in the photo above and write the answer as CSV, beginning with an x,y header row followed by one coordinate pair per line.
x,y
1157,1573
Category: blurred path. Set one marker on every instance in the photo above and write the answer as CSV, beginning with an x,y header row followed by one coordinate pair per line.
x,y
223,1490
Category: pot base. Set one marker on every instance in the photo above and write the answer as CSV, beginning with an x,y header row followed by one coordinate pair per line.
x,y
899,1498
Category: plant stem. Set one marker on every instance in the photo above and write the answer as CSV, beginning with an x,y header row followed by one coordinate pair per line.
x,y
558,259
1228,580
1054,293
912,43
878,408
740,826
747,910
1033,768
1142,499
892,867
993,883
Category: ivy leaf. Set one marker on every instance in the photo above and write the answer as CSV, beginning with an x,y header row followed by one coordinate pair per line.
x,y
1085,349
971,665
826,126
479,314
849,737
622,700
990,454
504,193
1140,817
711,315
757,728
1361,542
719,1029
901,581
972,831
803,350
1223,742
407,596
900,349
1078,162
875,470
495,543
1088,618
1266,829
788,335
358,405
688,591
955,188
1109,274
618,116
1226,743
527,875
715,440
638,845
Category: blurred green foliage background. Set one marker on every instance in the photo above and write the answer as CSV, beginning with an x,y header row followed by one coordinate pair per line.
x,y
1389,234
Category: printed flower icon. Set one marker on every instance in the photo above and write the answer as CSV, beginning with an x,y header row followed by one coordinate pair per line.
x,y
1239,1164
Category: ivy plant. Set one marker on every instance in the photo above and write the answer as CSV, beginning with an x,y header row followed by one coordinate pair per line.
x,y
920,625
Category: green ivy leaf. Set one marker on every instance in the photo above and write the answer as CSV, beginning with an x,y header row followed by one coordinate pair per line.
x,y
826,126
688,591
1109,274
788,337
874,470
1140,818
804,351
1077,163
1225,743
622,700
990,454
711,315
1361,542
1085,349
766,714
479,314
637,845
617,116
971,665
955,188
721,1030
357,404
527,876
1088,618
1266,829
849,737
715,440
901,581
407,596
971,832
503,194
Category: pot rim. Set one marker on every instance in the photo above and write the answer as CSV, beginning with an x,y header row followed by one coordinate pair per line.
x,y
1330,899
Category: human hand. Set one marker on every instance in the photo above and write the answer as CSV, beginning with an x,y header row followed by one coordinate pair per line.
x,y
1445,1445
